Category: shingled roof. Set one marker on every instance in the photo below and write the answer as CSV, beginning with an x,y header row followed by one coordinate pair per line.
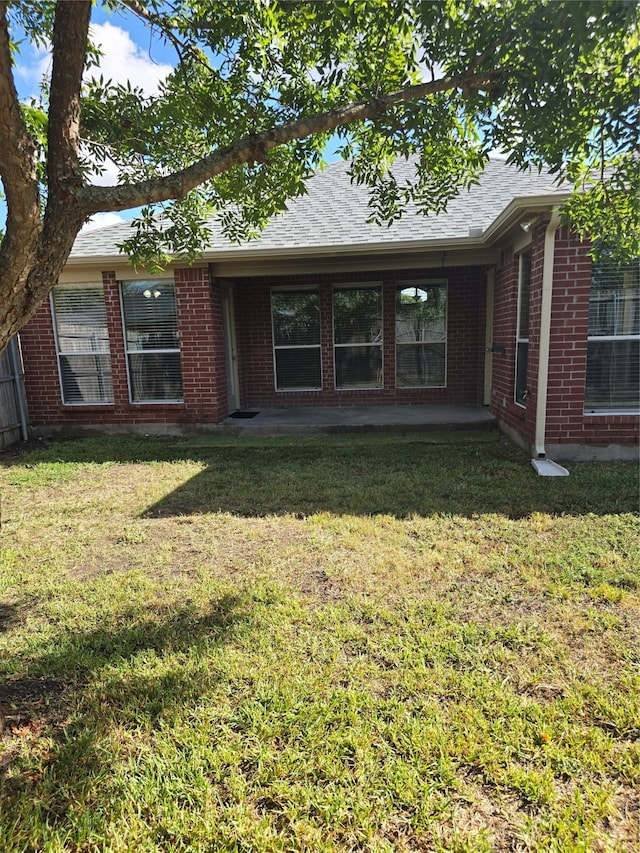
x,y
334,215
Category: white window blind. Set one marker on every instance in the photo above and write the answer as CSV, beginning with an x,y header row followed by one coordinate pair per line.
x,y
357,333
82,341
613,348
296,339
522,333
421,334
152,342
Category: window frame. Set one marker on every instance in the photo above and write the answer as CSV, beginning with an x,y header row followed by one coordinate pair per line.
x,y
526,253
366,285
613,410
423,284
159,351
60,354
312,288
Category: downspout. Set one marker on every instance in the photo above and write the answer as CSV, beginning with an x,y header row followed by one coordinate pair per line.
x,y
544,466
18,377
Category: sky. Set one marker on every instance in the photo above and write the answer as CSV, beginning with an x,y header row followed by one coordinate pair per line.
x,y
129,53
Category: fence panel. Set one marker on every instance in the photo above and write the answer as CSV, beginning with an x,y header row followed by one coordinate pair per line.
x,y
10,423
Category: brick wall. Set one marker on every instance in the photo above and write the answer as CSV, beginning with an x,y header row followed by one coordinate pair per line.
x,y
566,422
465,357
199,308
202,359
42,383
202,346
514,416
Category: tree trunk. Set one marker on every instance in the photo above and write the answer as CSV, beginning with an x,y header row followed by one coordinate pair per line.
x,y
25,284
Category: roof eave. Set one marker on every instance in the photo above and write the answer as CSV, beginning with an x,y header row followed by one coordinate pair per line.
x,y
518,206
505,220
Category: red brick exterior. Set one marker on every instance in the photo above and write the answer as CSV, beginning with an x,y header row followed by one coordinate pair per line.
x,y
200,323
465,344
566,422
202,358
520,419
204,377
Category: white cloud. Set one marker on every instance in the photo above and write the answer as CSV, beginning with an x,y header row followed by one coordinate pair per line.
x,y
106,176
101,220
32,70
122,59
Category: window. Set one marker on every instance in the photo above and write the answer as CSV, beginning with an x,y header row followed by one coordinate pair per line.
x,y
296,339
522,333
613,348
151,340
357,335
82,341
421,334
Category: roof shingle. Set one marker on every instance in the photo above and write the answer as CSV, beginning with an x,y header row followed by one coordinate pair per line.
x,y
334,214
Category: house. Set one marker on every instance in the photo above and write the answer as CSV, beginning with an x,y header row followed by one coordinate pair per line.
x,y
493,303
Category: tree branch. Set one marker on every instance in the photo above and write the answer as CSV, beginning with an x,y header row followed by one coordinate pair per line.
x,y
181,47
18,168
250,148
70,36
17,149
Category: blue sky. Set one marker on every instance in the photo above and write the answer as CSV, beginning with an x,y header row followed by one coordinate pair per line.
x,y
130,52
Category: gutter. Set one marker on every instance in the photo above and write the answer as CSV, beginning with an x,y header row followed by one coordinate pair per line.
x,y
248,253
546,467
512,213
508,217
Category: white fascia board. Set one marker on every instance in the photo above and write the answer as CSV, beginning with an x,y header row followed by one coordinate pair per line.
x,y
105,262
109,262
510,215
248,266
329,250
505,220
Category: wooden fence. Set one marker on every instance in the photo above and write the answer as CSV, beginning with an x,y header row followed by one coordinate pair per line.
x,y
13,425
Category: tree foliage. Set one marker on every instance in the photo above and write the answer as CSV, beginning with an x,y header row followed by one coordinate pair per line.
x,y
261,86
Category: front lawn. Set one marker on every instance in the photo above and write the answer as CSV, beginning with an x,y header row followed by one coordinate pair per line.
x,y
339,643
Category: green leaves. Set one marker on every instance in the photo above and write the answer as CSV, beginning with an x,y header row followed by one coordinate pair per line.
x,y
561,92
608,210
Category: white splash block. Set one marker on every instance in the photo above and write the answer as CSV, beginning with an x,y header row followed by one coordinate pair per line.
x,y
549,468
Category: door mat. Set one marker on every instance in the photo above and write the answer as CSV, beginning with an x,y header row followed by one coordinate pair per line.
x,y
240,414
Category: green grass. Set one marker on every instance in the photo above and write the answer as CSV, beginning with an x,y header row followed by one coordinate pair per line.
x,y
346,643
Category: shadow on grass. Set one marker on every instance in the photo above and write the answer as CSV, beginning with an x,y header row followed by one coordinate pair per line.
x,y
85,687
9,616
461,473
402,480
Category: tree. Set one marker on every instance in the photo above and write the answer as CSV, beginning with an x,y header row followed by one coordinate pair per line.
x,y
260,86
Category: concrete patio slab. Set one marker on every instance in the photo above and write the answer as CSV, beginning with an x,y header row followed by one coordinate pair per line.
x,y
359,418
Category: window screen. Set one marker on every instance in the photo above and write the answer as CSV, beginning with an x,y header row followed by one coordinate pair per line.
x,y
613,348
151,339
296,339
82,338
421,334
357,330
